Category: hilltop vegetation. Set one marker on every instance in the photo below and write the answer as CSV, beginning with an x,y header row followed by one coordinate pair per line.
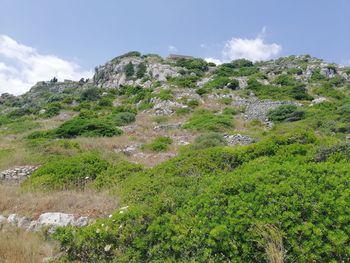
x,y
168,139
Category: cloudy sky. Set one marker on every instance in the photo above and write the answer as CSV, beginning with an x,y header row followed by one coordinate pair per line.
x,y
40,39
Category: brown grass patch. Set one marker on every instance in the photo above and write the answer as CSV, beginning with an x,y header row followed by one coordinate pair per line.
x,y
84,203
18,246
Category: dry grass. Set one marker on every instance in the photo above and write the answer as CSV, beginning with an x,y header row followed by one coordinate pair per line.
x,y
85,203
18,246
272,242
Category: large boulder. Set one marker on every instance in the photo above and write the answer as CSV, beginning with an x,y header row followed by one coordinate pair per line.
x,y
55,219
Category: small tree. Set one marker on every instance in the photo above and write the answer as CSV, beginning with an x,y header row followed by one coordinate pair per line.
x,y
129,70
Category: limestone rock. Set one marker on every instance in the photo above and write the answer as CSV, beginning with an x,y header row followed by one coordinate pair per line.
x,y
55,219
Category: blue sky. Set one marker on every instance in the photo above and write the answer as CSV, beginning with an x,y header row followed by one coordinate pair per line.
x,y
68,38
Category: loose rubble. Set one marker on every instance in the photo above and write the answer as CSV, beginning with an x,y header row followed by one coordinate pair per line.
x,y
238,139
17,174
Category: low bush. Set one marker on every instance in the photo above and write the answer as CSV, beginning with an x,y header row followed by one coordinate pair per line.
x,y
122,118
208,140
91,94
207,121
159,144
286,113
67,173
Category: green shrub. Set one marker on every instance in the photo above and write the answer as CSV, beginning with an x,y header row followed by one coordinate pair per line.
x,y
91,94
207,121
159,144
122,118
105,102
208,140
165,94
196,65
67,173
52,109
187,81
230,111
222,82
182,111
141,70
286,113
129,70
193,103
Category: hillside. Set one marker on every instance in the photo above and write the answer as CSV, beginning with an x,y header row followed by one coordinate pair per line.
x,y
180,160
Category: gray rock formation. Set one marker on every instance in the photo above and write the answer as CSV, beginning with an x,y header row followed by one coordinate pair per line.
x,y
238,139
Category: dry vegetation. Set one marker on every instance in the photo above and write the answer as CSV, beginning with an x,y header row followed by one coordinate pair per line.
x,y
18,246
85,203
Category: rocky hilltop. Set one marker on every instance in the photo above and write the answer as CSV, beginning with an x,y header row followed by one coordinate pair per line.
x,y
180,160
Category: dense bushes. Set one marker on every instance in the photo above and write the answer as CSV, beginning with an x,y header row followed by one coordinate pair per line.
x,y
296,91
211,205
222,82
207,121
286,113
68,173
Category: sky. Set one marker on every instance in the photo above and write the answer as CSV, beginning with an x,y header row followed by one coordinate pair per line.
x,y
42,39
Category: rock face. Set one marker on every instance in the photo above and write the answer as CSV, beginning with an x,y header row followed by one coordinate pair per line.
x,y
112,74
17,174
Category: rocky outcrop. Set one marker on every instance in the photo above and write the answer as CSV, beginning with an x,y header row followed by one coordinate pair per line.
x,y
18,173
112,74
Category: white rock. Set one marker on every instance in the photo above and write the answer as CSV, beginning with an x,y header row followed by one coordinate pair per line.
x,y
13,219
55,219
24,222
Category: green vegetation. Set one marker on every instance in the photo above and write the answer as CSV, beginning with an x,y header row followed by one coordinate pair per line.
x,y
286,113
141,71
129,70
296,91
207,121
159,144
222,82
67,173
208,140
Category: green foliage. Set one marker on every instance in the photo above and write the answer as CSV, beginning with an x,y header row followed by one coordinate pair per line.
x,y
229,111
193,103
52,109
114,176
122,118
67,173
222,82
187,81
317,76
165,94
208,140
286,113
91,94
159,144
196,65
206,205
284,92
129,70
141,70
207,121
105,102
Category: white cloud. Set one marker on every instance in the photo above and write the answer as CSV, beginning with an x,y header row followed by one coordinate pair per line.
x,y
172,48
213,60
22,66
253,49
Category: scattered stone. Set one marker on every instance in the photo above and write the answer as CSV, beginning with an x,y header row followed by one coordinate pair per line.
x,y
13,219
18,173
319,100
238,139
24,222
